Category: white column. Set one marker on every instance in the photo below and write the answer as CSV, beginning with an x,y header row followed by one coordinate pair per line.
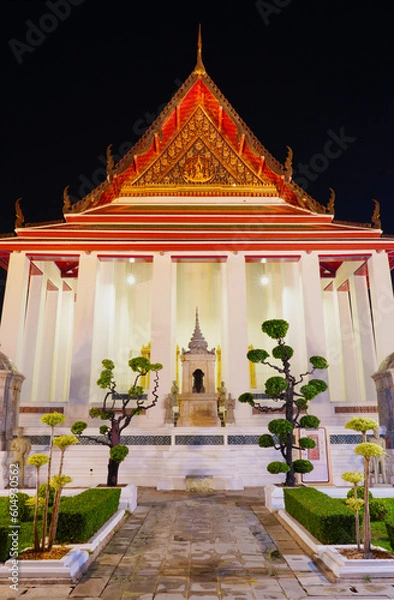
x,y
348,349
382,302
162,338
47,346
83,335
13,316
60,379
293,313
315,339
32,336
104,334
365,345
336,372
235,345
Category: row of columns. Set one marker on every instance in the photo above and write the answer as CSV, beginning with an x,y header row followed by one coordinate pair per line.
x,y
52,339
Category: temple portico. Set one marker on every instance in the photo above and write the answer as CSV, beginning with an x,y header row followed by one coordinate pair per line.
x,y
197,214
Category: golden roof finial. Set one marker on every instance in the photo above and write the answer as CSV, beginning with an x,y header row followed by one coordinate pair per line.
x,y
199,68
289,162
376,222
331,202
66,200
19,218
110,163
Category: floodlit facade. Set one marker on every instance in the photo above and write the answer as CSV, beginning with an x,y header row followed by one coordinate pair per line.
x,y
198,216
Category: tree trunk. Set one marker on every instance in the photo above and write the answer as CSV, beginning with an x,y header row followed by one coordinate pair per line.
x,y
367,520
113,468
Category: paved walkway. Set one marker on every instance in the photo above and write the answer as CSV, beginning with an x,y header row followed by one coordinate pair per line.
x,y
203,546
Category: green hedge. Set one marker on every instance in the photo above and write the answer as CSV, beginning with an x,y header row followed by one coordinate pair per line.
x,y
25,538
390,532
82,515
327,519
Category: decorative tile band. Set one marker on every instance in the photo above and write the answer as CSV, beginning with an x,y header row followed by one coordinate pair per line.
x,y
345,439
40,440
41,409
199,440
133,440
191,440
242,440
356,409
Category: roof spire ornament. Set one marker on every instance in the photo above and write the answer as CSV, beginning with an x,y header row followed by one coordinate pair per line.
x,y
376,222
198,343
199,68
331,203
66,200
289,163
19,218
110,163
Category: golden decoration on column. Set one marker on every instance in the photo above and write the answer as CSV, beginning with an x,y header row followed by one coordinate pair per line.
x,y
145,380
177,354
252,371
219,367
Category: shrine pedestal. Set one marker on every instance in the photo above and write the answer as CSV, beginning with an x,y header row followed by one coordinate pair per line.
x,y
198,410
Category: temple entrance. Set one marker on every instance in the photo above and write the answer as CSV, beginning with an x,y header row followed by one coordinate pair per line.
x,y
198,382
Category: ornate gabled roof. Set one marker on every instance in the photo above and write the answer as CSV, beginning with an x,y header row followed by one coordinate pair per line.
x,y
197,146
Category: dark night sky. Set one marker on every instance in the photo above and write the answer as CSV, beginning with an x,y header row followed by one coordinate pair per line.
x,y
305,73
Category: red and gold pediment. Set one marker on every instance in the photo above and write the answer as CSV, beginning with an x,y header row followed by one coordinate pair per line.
x,y
197,146
198,160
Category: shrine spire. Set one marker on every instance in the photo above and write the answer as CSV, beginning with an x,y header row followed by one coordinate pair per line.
x,y
199,68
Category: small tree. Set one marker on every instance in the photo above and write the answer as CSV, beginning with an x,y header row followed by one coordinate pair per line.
x,y
43,543
37,461
117,410
354,503
283,388
367,451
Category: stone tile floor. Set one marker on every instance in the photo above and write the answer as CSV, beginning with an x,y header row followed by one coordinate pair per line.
x,y
203,546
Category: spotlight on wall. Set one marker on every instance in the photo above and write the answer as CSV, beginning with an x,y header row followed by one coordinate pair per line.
x,y
130,279
264,280
263,260
131,260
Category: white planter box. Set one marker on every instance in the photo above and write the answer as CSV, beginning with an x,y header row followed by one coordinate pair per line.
x,y
74,564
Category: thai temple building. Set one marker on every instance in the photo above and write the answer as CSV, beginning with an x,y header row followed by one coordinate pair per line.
x,y
196,237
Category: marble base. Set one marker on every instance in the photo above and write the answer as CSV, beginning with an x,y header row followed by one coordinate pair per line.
x,y
198,410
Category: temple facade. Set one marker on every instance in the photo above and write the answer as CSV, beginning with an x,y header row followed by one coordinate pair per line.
x,y
198,215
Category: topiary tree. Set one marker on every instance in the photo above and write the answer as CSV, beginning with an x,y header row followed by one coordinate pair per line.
x,y
118,411
54,484
367,451
283,388
354,502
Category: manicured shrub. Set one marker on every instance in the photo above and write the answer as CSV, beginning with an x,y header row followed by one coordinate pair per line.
x,y
18,504
25,539
327,519
390,532
379,509
81,516
360,493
